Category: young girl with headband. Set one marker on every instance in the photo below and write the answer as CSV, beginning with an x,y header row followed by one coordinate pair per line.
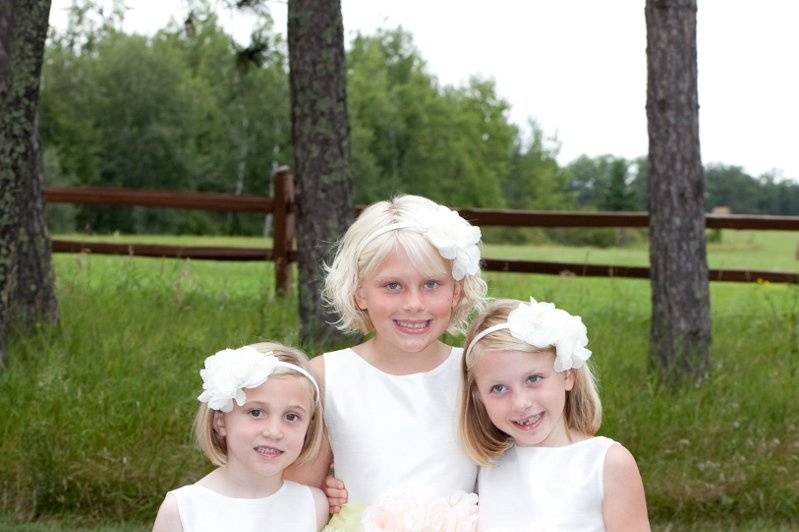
x,y
529,415
405,272
260,412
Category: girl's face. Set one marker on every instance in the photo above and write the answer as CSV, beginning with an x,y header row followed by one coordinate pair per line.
x,y
266,434
409,311
524,396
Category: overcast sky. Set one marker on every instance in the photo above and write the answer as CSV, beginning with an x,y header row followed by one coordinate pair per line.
x,y
578,67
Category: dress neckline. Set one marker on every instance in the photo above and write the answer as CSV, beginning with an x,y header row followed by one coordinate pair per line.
x,y
440,367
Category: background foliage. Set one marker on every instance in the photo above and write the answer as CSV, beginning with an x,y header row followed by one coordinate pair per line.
x,y
190,109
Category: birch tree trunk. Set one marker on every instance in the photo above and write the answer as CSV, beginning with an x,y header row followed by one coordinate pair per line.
x,y
680,334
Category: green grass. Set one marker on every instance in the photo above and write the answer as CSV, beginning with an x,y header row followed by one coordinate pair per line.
x,y
97,412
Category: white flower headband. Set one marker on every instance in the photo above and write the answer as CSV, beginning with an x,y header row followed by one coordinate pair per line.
x,y
455,238
229,371
542,325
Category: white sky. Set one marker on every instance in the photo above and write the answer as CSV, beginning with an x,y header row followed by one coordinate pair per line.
x,y
578,67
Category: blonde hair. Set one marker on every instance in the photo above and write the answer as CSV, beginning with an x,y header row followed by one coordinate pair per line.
x,y
483,441
214,446
355,261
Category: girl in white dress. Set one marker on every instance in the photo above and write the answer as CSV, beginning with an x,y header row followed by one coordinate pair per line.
x,y
529,415
405,272
261,411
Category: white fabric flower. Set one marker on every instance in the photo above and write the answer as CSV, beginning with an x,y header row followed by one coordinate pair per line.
x,y
542,325
455,238
228,372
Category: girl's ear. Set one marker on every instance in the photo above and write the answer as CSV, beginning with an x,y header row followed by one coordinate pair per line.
x,y
219,423
360,300
569,378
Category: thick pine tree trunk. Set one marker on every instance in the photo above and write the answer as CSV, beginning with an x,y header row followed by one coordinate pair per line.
x,y
26,280
680,335
320,133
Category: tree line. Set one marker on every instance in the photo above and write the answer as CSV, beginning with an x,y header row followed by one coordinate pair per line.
x,y
189,109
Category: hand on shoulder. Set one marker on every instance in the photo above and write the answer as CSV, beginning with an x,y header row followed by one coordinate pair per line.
x,y
624,502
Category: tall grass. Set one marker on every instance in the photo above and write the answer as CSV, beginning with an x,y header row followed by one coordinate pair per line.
x,y
97,412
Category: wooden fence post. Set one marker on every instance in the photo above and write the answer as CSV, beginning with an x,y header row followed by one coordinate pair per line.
x,y
282,227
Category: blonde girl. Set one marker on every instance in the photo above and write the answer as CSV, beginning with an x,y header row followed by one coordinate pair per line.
x,y
529,415
405,272
260,412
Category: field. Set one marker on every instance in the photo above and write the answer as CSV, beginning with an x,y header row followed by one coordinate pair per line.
x,y
97,412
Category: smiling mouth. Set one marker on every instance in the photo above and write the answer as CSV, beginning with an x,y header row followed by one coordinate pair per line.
x,y
268,452
413,326
528,423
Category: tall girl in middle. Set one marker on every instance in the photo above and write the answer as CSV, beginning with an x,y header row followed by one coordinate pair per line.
x,y
405,272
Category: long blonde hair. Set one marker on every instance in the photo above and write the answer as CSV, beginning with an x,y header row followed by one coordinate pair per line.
x,y
483,441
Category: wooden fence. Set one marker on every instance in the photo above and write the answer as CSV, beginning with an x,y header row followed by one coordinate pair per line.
x,y
281,206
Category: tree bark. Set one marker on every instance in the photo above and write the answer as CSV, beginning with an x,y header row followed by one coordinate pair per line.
x,y
320,134
26,280
680,334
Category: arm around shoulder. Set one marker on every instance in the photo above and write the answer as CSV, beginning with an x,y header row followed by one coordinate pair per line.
x,y
320,502
624,503
168,518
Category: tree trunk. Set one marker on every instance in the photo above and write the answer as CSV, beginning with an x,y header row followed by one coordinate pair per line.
x,y
680,334
26,282
34,300
320,134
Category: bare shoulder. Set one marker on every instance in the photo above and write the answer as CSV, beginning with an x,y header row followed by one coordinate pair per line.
x,y
168,518
320,502
620,461
624,501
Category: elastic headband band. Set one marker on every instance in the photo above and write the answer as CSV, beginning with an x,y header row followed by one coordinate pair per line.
x,y
485,332
304,373
383,230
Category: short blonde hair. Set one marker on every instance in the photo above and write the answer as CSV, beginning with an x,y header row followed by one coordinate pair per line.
x,y
482,440
214,446
354,262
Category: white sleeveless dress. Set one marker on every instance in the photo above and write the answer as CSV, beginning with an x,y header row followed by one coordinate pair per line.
x,y
395,434
290,509
545,488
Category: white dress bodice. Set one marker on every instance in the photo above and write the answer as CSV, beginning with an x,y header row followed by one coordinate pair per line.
x,y
290,509
545,488
395,433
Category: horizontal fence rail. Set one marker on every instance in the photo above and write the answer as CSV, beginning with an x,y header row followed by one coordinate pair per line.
x,y
513,218
283,254
155,198
634,272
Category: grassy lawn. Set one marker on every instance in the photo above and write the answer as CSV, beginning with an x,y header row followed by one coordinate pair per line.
x,y
97,412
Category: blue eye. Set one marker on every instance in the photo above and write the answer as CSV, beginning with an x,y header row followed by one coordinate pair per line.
x,y
498,388
532,379
393,285
432,284
255,412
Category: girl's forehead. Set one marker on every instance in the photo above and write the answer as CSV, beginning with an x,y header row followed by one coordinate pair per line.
x,y
408,260
282,388
508,363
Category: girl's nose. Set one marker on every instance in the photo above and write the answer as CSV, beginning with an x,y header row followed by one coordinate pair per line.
x,y
272,428
413,300
522,401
